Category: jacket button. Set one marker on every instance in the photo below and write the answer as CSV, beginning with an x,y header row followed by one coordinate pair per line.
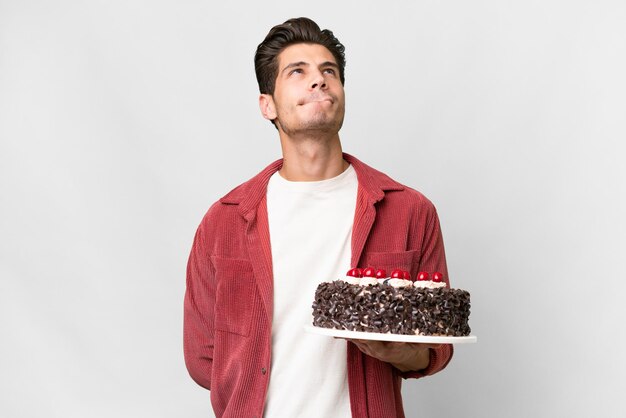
x,y
263,370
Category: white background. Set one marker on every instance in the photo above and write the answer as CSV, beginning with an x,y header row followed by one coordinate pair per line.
x,y
122,121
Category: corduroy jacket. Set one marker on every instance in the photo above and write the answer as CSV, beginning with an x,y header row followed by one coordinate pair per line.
x,y
228,301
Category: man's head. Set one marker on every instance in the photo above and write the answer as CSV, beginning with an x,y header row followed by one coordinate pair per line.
x,y
300,73
293,31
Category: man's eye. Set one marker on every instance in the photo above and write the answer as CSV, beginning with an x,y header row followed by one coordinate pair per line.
x,y
296,71
329,71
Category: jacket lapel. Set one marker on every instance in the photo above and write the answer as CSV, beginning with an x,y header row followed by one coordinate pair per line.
x,y
364,217
372,187
258,239
252,201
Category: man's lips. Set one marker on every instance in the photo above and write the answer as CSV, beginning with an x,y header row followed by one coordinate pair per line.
x,y
317,100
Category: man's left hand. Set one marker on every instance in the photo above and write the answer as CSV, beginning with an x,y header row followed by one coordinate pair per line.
x,y
403,356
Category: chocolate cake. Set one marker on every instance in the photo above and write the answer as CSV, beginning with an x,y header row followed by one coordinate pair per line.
x,y
369,301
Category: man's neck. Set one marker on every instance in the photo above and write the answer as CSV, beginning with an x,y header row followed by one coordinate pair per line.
x,y
312,159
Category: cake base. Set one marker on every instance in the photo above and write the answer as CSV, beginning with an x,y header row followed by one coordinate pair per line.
x,y
377,336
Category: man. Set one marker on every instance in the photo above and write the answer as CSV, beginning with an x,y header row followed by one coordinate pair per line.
x,y
261,250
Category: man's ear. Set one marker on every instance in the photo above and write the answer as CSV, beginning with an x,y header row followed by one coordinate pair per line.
x,y
267,106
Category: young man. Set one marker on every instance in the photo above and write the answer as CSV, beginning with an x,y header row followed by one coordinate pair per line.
x,y
262,249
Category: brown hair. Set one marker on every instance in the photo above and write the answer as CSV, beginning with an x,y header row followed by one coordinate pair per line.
x,y
293,31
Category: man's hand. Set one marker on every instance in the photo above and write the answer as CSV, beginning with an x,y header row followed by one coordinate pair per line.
x,y
403,356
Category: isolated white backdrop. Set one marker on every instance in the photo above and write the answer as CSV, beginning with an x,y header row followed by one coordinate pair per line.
x,y
121,121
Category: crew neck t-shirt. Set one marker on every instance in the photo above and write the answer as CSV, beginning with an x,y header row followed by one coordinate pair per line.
x,y
310,226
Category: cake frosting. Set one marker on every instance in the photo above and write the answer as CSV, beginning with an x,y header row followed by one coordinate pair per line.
x,y
370,301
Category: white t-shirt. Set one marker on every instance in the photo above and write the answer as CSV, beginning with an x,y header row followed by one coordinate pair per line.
x,y
310,225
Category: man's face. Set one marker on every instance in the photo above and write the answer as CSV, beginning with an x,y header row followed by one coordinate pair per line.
x,y
308,96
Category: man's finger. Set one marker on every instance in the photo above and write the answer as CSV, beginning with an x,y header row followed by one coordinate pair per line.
x,y
432,345
362,347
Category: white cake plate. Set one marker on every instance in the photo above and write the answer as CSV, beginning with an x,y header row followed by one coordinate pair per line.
x,y
357,335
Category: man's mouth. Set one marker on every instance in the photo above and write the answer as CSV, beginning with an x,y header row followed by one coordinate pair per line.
x,y
317,100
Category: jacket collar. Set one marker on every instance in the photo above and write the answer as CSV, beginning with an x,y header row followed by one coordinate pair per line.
x,y
249,194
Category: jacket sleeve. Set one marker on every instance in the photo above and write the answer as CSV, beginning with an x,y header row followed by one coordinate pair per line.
x,y
433,259
198,331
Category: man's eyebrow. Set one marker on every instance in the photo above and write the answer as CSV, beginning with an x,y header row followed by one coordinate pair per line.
x,y
305,64
295,64
329,64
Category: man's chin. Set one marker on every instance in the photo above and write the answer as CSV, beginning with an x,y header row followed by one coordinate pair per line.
x,y
322,127
320,120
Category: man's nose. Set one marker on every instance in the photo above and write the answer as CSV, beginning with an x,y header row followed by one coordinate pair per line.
x,y
318,81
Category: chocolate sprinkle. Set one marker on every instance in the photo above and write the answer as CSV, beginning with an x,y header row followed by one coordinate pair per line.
x,y
386,309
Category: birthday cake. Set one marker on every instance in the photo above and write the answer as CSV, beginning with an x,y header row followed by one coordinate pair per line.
x,y
370,301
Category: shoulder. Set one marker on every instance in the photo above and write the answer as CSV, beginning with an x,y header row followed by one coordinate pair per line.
x,y
393,197
407,196
416,199
408,205
226,208
245,194
229,211
378,183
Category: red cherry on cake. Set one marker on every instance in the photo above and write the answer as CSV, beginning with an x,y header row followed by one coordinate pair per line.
x,y
356,272
422,276
397,274
369,272
406,275
437,277
381,274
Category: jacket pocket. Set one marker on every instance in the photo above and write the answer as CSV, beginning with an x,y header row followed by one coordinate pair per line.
x,y
234,295
404,260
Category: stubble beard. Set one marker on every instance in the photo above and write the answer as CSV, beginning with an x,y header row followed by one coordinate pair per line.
x,y
319,125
